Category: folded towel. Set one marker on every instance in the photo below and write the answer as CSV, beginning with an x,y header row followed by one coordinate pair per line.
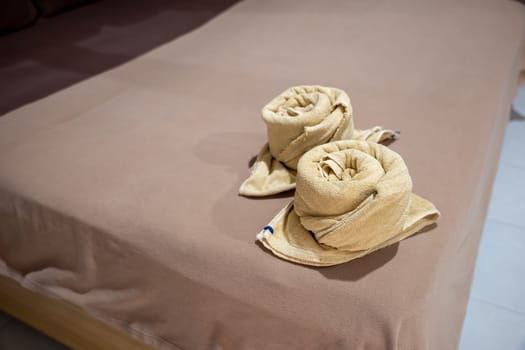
x,y
297,120
352,198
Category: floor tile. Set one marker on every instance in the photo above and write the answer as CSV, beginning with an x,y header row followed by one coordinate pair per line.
x,y
507,203
15,335
489,327
513,152
501,266
519,101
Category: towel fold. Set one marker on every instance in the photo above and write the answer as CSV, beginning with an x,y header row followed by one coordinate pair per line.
x,y
352,198
297,120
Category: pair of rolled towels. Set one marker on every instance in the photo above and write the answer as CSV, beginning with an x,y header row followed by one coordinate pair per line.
x,y
352,194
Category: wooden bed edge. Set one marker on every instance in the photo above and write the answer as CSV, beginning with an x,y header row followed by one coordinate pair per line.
x,y
62,321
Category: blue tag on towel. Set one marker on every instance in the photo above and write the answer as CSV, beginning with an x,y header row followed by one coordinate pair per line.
x,y
268,228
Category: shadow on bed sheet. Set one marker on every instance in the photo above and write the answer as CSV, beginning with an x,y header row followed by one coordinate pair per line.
x,y
359,268
60,51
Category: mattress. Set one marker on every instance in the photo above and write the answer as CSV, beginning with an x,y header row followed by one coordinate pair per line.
x,y
119,193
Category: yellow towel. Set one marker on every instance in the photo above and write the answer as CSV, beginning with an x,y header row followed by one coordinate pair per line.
x,y
297,120
352,198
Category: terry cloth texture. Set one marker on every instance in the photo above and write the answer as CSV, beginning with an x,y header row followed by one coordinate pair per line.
x,y
352,198
297,120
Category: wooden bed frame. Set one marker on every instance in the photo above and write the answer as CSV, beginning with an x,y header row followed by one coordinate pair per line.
x,y
62,321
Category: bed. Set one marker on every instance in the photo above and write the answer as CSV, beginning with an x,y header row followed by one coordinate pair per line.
x,y
118,194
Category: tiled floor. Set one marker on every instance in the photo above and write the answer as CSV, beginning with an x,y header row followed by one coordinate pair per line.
x,y
496,311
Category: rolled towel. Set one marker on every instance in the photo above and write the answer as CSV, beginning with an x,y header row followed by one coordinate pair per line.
x,y
297,120
352,198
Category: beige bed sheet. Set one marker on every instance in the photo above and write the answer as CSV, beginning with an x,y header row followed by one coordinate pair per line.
x,y
119,194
